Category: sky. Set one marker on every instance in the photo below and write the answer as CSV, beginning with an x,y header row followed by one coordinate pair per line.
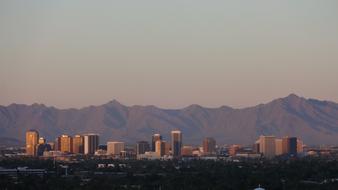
x,y
167,53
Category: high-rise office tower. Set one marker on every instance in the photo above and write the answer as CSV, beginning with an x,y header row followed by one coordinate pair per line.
x,y
209,146
91,143
32,137
267,146
41,148
293,146
78,144
66,143
300,148
155,137
167,148
160,148
285,145
42,140
279,147
289,146
176,143
142,147
57,146
115,148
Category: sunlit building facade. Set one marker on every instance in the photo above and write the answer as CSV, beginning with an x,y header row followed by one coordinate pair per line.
x,y
209,146
115,148
78,144
32,138
155,137
160,148
66,143
267,146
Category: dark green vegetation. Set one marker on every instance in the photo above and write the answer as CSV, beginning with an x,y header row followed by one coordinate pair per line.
x,y
197,174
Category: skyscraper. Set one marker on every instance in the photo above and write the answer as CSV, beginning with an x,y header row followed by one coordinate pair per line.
x,y
176,143
78,144
167,148
209,146
290,146
66,143
115,148
42,140
293,146
279,147
267,146
32,137
299,146
91,143
142,147
57,146
160,148
285,145
155,138
41,148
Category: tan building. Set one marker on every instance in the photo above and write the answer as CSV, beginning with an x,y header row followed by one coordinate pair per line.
x,y
187,151
300,148
78,144
285,141
167,148
267,146
160,148
57,146
42,140
32,137
66,143
256,147
154,139
234,149
115,148
279,147
209,146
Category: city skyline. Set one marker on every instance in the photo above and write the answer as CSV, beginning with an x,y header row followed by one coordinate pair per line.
x,y
65,145
170,55
169,95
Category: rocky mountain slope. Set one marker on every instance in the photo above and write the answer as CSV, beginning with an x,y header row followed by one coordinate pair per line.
x,y
316,122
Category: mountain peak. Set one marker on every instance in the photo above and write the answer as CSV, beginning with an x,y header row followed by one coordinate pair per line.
x,y
114,102
292,96
193,107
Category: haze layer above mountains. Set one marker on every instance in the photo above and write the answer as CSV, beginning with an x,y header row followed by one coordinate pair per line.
x,y
314,121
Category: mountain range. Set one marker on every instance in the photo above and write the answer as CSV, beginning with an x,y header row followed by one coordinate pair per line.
x,y
314,121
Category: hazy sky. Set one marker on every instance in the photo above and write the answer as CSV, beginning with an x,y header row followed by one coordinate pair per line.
x,y
167,53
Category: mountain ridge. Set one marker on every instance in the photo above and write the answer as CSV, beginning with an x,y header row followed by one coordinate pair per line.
x,y
315,121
